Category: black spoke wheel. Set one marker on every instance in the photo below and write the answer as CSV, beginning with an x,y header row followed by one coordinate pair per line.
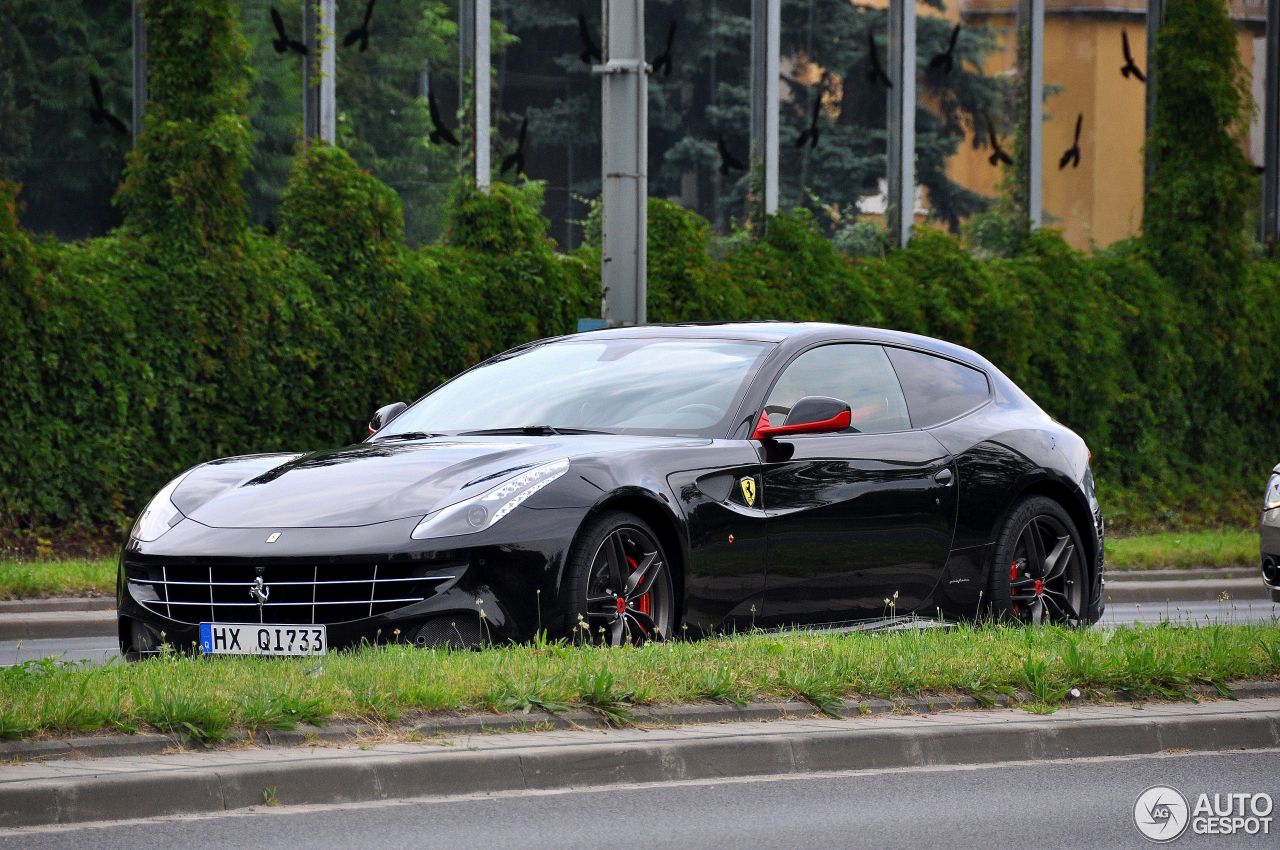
x,y
1039,573
618,583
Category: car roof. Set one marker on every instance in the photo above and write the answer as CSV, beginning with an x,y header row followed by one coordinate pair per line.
x,y
796,334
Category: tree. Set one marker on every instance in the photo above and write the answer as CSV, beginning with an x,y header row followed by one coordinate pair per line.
x,y
706,100
68,164
383,118
1201,181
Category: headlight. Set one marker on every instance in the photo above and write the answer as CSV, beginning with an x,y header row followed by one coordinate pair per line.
x,y
1272,497
483,510
160,514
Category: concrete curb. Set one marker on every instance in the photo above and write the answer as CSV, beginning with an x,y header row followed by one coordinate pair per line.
x,y
75,793
57,603
149,743
58,624
1193,590
1192,573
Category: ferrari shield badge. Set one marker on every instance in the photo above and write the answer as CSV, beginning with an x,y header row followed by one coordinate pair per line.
x,y
749,491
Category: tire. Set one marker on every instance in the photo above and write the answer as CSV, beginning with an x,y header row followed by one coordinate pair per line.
x,y
589,594
1039,573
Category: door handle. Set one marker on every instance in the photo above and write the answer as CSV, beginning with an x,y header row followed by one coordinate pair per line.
x,y
944,477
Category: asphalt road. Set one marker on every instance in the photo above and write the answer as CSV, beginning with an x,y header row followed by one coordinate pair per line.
x,y
1069,804
93,649
98,650
1192,613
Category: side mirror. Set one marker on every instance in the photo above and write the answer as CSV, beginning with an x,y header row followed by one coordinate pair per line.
x,y
383,415
813,414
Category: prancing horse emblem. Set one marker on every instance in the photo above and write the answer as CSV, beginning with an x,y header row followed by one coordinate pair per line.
x,y
749,491
259,592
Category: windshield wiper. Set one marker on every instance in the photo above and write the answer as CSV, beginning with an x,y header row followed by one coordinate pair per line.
x,y
529,431
409,435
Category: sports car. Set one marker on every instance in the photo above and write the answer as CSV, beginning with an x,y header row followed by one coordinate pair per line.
x,y
1269,533
637,483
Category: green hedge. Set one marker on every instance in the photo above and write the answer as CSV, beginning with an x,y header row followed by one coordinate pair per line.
x,y
187,335
125,362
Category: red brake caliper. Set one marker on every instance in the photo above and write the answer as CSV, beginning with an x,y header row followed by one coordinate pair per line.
x,y
1013,576
644,603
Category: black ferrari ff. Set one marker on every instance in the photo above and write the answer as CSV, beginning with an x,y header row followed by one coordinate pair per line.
x,y
631,484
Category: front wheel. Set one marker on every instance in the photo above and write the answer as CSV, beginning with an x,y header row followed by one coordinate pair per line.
x,y
618,588
1039,573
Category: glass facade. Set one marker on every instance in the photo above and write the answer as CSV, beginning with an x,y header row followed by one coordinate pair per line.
x,y
402,97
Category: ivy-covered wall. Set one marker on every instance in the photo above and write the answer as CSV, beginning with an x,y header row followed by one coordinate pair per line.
x,y
188,335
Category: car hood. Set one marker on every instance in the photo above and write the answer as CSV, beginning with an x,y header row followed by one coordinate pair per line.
x,y
373,482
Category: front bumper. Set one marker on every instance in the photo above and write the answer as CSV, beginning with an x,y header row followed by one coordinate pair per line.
x,y
365,584
1269,532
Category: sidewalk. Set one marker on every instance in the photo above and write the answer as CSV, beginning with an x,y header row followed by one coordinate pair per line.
x,y
80,790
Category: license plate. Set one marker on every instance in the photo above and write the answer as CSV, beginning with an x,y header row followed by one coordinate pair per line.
x,y
261,639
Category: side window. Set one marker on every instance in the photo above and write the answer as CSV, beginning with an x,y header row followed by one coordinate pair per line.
x,y
860,375
937,389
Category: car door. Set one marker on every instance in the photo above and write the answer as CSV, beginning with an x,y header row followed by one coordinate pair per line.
x,y
858,517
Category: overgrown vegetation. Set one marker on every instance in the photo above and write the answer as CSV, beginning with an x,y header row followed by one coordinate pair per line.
x,y
61,577
206,700
1218,547
188,335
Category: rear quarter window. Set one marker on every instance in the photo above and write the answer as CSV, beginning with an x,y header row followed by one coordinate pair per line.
x,y
937,389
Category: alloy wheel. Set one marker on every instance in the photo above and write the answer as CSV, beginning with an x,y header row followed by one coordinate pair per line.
x,y
1046,575
628,589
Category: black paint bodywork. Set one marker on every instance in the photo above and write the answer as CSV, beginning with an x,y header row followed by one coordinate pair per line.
x,y
843,526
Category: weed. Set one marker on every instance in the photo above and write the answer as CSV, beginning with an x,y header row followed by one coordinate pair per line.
x,y
599,691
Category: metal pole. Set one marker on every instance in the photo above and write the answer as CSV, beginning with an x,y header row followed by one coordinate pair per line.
x,y
481,101
1155,20
139,69
466,44
766,30
1031,22
1271,133
902,119
318,115
625,154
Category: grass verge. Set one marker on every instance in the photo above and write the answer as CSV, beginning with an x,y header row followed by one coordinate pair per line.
x,y
1219,547
207,700
62,577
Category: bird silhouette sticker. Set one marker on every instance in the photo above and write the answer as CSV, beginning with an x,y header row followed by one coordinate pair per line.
x,y
590,47
875,71
98,112
662,64
439,133
945,61
282,43
1129,68
361,33
809,136
515,159
1072,155
728,162
998,154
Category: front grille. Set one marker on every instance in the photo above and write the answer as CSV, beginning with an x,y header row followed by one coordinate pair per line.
x,y
296,593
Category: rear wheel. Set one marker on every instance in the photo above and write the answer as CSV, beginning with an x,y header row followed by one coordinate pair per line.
x,y
1039,573
618,584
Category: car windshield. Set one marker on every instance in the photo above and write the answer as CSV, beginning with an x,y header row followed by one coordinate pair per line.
x,y
620,386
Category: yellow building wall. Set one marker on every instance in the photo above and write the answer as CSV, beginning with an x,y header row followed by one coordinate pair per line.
x,y
1099,202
